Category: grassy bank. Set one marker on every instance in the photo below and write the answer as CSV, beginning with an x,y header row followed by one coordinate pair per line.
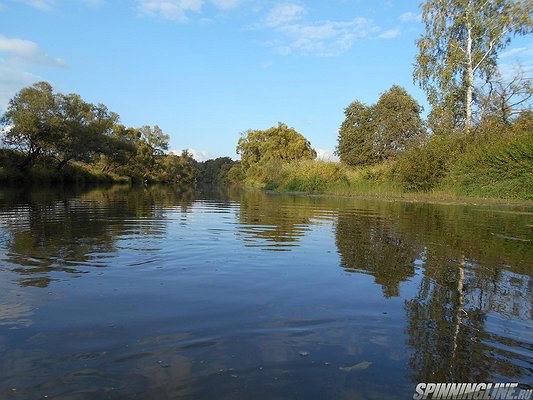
x,y
448,167
44,173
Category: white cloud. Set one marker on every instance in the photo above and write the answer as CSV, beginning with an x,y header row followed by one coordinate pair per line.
x,y
266,64
283,14
390,34
198,155
27,51
322,38
410,17
326,155
16,56
169,9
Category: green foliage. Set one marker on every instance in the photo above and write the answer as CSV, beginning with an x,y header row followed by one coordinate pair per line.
x,y
356,135
257,148
47,130
178,169
218,171
462,42
399,126
31,121
500,167
423,168
370,134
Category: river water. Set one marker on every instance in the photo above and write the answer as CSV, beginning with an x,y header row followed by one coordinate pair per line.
x,y
162,293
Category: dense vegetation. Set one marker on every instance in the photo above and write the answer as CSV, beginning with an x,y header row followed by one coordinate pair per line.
x,y
56,138
476,141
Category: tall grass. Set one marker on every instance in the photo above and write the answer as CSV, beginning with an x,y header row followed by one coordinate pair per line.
x,y
448,166
501,167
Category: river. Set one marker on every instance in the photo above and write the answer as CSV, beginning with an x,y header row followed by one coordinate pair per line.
x,y
165,293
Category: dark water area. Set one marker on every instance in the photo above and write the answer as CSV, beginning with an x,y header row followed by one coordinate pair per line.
x,y
162,293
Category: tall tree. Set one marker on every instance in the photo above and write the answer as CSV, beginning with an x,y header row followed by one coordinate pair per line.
x,y
462,42
370,134
83,129
356,135
32,121
398,123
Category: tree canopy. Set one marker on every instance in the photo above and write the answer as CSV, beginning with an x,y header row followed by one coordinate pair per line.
x,y
378,132
461,43
276,143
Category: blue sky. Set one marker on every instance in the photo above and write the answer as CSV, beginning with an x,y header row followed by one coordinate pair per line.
x,y
206,70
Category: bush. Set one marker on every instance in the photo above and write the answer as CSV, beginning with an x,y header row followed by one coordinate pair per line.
x,y
423,168
500,167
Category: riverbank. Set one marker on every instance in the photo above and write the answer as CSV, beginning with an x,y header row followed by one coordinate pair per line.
x,y
449,168
45,171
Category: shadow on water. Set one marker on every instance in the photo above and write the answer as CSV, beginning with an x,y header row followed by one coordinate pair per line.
x,y
162,292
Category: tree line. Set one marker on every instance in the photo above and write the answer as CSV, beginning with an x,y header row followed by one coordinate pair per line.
x,y
472,105
456,66
46,129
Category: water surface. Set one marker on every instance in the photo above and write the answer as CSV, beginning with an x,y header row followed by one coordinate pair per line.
x,y
162,293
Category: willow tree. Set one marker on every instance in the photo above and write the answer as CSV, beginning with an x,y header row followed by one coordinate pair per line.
x,y
461,43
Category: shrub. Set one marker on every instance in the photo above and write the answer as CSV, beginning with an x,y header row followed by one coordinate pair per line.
x,y
423,168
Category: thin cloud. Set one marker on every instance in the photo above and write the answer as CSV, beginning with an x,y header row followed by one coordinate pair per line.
x,y
283,14
390,34
12,79
296,34
410,17
227,4
180,10
169,9
526,51
39,4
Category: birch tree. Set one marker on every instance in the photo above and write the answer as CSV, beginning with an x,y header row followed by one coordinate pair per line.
x,y
461,43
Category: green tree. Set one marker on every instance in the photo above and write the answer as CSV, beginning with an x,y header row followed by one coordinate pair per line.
x,y
258,147
356,135
119,148
31,121
462,41
216,171
83,129
375,133
398,123
180,169
150,145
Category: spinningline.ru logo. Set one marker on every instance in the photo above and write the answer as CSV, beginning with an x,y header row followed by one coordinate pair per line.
x,y
476,391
